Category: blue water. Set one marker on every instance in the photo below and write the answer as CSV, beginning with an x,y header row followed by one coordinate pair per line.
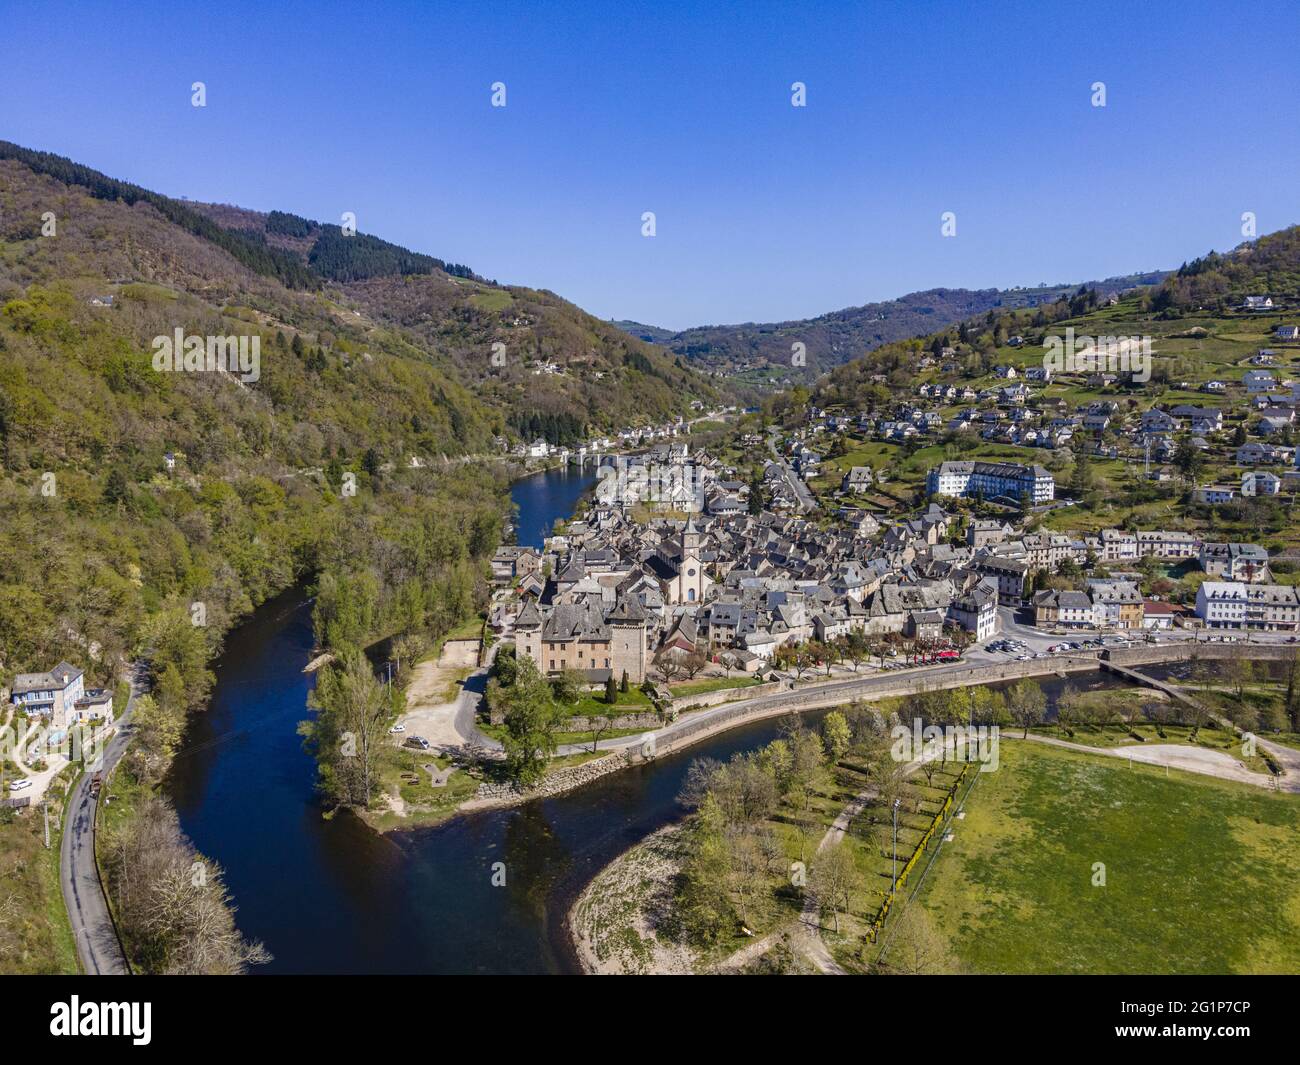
x,y
543,497
331,896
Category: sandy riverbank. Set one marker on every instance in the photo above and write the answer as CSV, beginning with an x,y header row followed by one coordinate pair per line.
x,y
618,923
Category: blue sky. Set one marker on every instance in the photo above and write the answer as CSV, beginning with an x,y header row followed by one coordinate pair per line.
x,y
764,211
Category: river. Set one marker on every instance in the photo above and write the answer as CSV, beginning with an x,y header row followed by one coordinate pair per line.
x,y
543,497
334,896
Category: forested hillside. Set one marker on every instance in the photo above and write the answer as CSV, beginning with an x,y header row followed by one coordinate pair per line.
x,y
132,496
142,513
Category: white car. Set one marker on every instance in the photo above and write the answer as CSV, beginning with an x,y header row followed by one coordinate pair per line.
x,y
397,728
20,785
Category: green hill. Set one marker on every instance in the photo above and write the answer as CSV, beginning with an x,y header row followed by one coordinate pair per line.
x,y
760,353
130,495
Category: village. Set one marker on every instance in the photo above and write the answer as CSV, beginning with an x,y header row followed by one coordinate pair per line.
x,y
683,567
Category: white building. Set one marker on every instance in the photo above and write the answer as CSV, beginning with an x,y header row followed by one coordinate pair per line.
x,y
1260,483
1234,605
977,611
1214,494
992,479
54,694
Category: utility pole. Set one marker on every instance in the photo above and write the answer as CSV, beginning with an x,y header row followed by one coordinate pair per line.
x,y
45,807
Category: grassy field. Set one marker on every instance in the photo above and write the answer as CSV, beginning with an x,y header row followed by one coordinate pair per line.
x,y
410,788
35,935
1202,876
713,684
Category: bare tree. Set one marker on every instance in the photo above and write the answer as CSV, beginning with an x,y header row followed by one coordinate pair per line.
x,y
693,663
834,880
916,948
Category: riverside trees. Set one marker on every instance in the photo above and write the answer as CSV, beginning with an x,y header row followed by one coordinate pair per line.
x,y
172,905
733,850
346,735
532,719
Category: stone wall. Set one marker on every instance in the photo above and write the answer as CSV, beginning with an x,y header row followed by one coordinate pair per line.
x,y
723,695
579,723
772,700
838,693
646,720
554,783
1148,654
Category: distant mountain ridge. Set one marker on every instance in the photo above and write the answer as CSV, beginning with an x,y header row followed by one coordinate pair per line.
x,y
837,337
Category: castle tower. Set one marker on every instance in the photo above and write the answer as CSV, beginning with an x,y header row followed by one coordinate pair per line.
x,y
627,623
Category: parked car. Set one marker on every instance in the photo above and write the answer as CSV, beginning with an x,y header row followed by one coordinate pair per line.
x,y
399,727
418,741
20,785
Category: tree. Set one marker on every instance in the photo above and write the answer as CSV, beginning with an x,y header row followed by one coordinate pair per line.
x,y
622,684
1188,460
835,731
567,687
353,709
916,948
171,903
1068,708
702,901
1027,704
694,662
1240,670
1196,716
599,724
158,730
808,764
756,501
1291,701
611,690
117,489
531,721
699,779
668,666
746,866
855,649
834,878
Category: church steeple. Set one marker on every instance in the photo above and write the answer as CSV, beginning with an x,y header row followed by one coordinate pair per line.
x,y
690,538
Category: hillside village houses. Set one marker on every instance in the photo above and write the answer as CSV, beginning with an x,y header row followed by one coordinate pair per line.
x,y
636,577
709,576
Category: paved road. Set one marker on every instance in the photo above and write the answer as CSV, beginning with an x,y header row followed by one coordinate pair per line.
x,y
797,484
827,693
98,948
451,727
867,685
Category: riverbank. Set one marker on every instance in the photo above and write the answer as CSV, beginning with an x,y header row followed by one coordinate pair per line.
x,y
617,921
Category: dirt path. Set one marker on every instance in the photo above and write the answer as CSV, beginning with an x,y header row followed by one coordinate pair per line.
x,y
1189,759
810,919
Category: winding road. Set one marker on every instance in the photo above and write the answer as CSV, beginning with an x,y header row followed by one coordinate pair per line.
x,y
98,948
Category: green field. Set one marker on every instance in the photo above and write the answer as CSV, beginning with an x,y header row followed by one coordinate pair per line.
x,y
35,935
1202,876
